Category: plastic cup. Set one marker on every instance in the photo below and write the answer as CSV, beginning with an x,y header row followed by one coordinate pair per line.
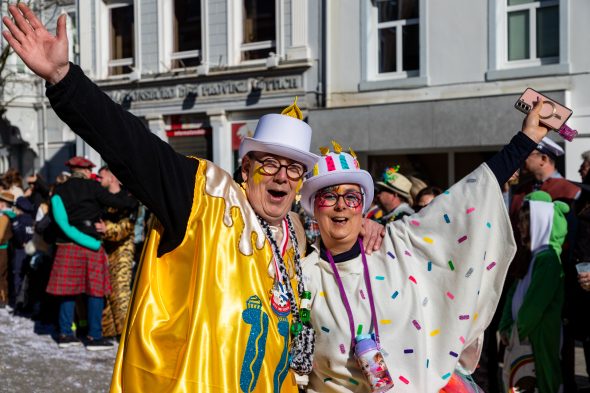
x,y
583,267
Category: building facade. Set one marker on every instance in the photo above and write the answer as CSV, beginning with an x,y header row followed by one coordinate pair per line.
x,y
200,73
431,85
427,85
32,138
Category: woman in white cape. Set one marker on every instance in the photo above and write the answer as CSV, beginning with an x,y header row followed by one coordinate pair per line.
x,y
431,290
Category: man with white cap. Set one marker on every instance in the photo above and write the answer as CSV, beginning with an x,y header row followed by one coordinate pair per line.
x,y
547,152
540,164
215,303
393,195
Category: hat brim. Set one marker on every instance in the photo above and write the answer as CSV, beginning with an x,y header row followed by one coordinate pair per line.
x,y
381,185
81,166
316,183
304,157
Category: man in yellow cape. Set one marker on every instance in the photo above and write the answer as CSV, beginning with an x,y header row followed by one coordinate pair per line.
x,y
216,301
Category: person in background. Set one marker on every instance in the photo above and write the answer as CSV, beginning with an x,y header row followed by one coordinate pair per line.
x,y
44,243
6,214
539,172
38,191
580,247
117,235
374,213
417,186
393,195
78,269
140,231
62,177
22,233
533,307
13,182
425,196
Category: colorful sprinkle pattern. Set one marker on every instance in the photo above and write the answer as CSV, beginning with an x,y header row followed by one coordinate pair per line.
x,y
437,256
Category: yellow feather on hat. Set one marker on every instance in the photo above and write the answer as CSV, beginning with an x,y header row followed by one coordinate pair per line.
x,y
293,111
337,147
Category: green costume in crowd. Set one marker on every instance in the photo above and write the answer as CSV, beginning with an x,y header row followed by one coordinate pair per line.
x,y
535,301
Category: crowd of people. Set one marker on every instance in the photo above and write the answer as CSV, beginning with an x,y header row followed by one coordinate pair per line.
x,y
68,250
229,295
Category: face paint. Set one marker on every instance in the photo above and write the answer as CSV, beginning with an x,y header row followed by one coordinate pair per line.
x,y
257,177
320,202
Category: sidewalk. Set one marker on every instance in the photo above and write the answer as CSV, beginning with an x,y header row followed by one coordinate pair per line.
x,y
31,362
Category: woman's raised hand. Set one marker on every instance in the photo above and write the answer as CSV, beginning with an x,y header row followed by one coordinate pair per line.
x,y
531,126
44,53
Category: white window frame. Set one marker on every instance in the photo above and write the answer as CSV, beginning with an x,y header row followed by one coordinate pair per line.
x,y
533,60
374,48
236,35
104,42
500,67
166,37
372,78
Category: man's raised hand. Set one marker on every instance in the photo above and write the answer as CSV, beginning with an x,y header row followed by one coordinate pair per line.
x,y
44,53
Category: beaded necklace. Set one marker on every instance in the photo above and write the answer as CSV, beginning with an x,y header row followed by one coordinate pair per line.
x,y
303,342
282,274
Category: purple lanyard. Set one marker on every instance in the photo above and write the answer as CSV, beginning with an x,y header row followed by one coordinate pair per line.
x,y
345,299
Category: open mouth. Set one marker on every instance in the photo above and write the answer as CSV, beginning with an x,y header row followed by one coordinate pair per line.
x,y
339,220
277,194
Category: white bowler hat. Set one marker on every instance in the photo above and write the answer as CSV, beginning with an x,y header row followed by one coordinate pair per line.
x,y
335,168
552,149
286,135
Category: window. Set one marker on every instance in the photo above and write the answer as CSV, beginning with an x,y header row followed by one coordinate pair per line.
x,y
186,35
398,36
121,39
532,31
259,29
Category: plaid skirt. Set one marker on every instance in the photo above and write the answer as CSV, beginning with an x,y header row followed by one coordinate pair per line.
x,y
78,270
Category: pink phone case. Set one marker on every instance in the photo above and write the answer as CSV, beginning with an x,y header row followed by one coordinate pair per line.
x,y
553,114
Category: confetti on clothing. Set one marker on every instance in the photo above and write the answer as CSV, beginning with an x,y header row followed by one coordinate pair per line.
x,y
435,254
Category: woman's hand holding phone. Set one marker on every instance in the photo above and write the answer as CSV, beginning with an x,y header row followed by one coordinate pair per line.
x,y
531,126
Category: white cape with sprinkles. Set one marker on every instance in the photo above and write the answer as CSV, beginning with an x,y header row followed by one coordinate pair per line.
x,y
436,281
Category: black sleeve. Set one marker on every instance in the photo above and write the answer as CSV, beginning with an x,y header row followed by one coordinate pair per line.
x,y
507,161
156,175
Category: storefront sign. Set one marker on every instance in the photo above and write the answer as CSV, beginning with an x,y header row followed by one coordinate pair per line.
x,y
227,88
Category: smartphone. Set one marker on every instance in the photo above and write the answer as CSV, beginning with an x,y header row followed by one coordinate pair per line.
x,y
553,114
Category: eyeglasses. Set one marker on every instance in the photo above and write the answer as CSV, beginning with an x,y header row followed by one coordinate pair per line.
x,y
271,167
352,199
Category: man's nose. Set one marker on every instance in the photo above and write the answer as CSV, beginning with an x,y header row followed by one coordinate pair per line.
x,y
281,175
